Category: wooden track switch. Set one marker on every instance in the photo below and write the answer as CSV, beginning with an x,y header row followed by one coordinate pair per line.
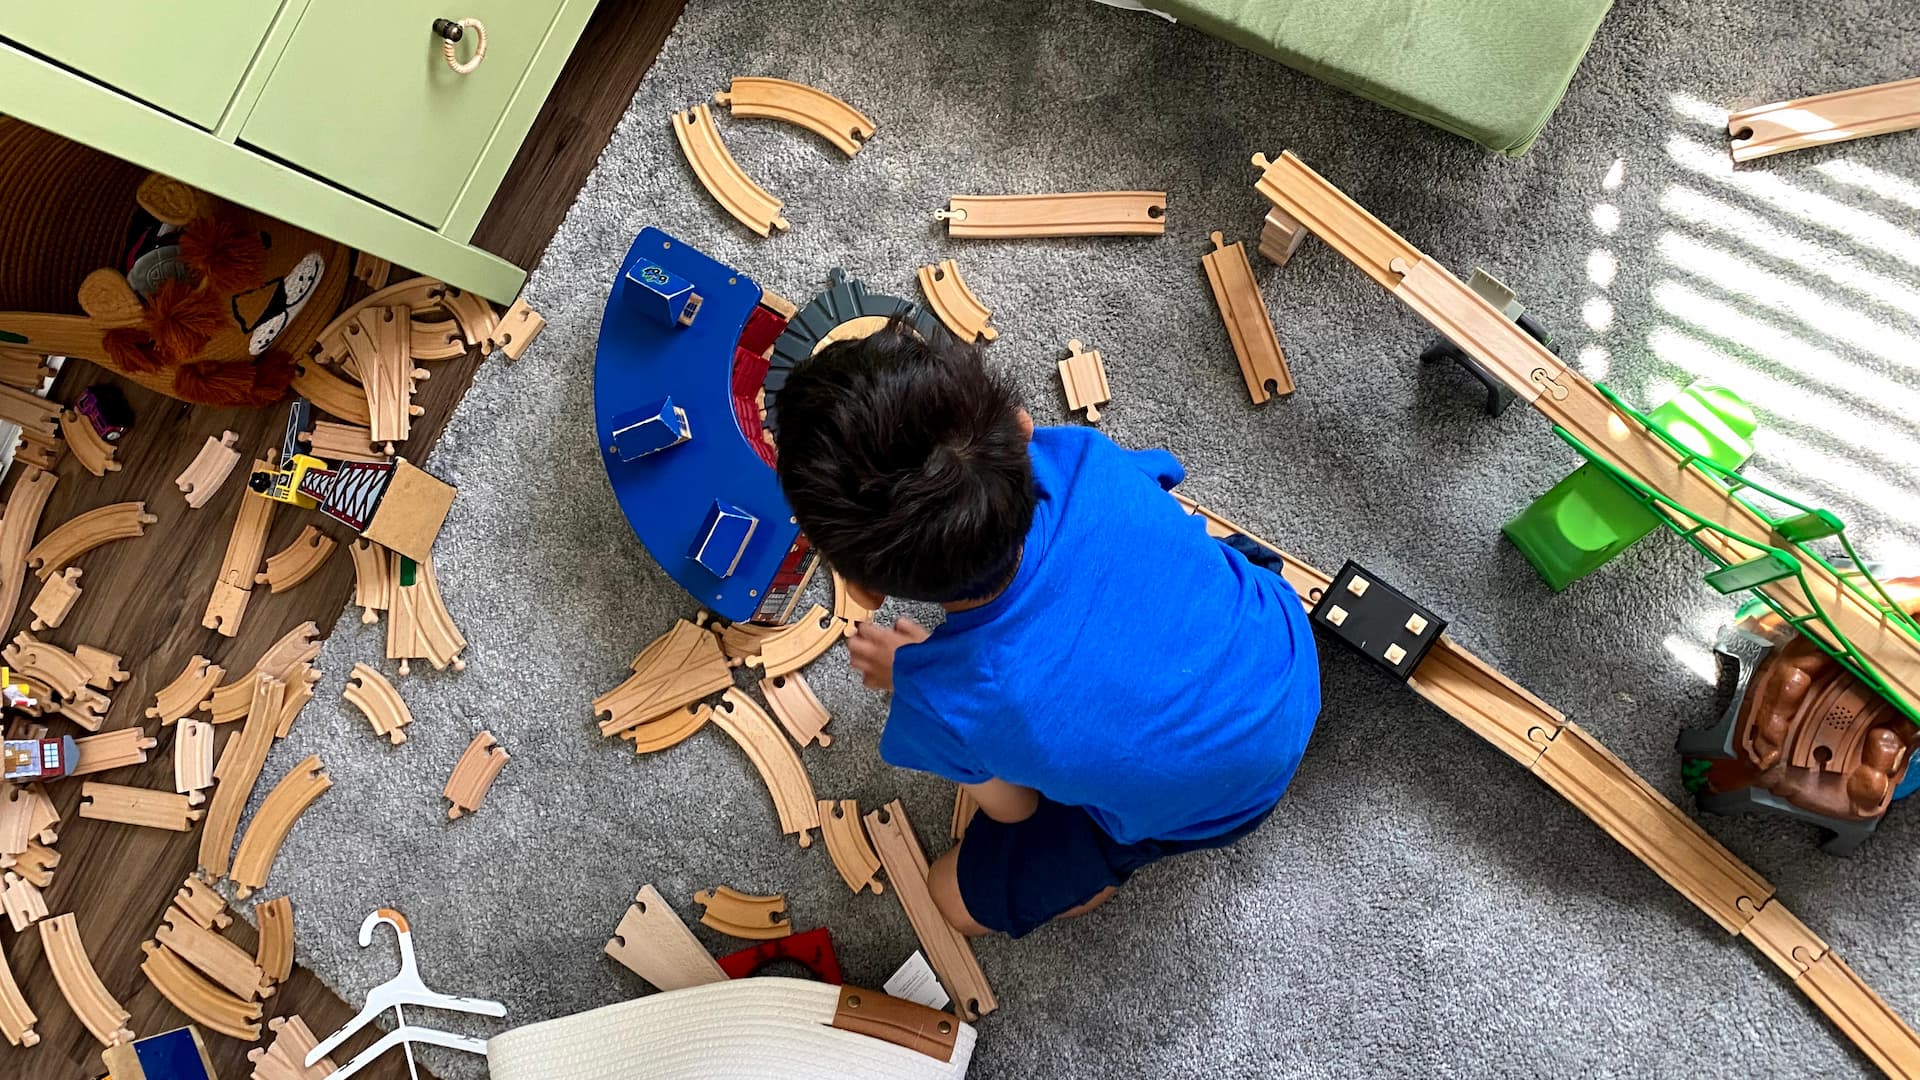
x,y
676,669
209,470
797,103
381,344
289,799
419,625
654,944
79,983
55,600
296,562
1262,364
474,774
955,303
723,178
1079,213
375,697
741,915
1083,375
848,847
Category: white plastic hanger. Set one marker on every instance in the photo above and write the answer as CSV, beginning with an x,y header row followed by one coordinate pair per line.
x,y
405,988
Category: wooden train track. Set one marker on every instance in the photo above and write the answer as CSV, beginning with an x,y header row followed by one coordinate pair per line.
x,y
26,814
474,774
187,692
676,669
799,643
947,950
285,1058
112,750
1598,784
723,178
37,418
372,578
17,526
343,442
1823,119
378,339
47,665
202,903
330,393
289,799
281,660
848,847
194,994
237,771
845,607
220,960
1074,213
35,863
743,915
1083,378
147,807
274,953
95,454
246,546
78,535
21,901
775,760
419,625
1575,406
517,328
66,954
192,756
669,730
375,697
1249,326
16,1016
955,303
210,468
798,710
55,600
654,944
816,110
296,562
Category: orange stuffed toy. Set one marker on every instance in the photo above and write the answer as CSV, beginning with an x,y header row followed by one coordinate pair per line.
x,y
212,304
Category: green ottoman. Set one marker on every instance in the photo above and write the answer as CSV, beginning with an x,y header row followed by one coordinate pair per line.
x,y
1490,70
1587,518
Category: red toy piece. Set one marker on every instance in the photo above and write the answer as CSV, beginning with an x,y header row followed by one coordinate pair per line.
x,y
812,950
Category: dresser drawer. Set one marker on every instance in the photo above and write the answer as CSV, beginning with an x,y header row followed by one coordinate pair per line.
x,y
184,56
363,96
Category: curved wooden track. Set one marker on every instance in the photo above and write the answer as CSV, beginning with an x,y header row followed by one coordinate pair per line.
x,y
775,759
742,915
755,98
799,644
848,847
955,303
67,955
372,578
192,993
476,318
239,767
379,702
230,701
723,178
95,454
419,293
47,665
187,692
16,1016
209,470
214,956
330,393
474,774
795,706
439,339
1068,213
79,535
845,607
274,954
669,730
289,799
296,562
17,526
677,668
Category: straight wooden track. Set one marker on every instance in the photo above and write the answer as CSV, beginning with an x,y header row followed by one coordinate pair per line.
x,y
1823,119
79,983
1067,213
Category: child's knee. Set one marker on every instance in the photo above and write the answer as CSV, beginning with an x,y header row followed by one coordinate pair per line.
x,y
943,881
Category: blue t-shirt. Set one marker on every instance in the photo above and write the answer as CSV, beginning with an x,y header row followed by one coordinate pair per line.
x,y
1136,666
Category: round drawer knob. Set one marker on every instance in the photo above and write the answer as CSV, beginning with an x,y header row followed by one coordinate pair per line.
x,y
451,32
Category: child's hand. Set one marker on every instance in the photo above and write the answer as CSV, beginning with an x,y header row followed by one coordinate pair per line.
x,y
870,649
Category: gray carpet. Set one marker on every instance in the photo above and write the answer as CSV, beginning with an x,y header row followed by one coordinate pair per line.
x,y
1417,906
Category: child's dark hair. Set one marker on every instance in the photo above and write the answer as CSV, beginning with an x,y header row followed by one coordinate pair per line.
x,y
906,464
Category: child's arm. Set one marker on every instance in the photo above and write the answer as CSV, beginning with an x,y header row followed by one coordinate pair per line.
x,y
1002,801
871,647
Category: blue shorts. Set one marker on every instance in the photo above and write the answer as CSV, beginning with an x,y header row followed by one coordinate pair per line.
x,y
1017,878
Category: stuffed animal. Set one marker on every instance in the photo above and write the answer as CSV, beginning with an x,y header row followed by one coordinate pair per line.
x,y
211,304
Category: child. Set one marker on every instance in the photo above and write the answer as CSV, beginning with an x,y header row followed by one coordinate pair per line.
x,y
1111,684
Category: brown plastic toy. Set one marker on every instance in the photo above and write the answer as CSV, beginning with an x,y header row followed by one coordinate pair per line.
x,y
341,442
296,562
16,1017
797,103
419,625
798,710
330,393
1824,119
192,756
56,598
848,847
238,768
289,799
372,578
774,758
1250,328
95,454
204,1002
949,953
147,807
22,901
799,643
1083,376
78,535
380,342
111,750
274,953
669,730
215,957
723,178
17,526
1076,213
202,903
678,668
475,772
741,915
79,983
654,944
209,469
955,303
375,697
281,661
246,546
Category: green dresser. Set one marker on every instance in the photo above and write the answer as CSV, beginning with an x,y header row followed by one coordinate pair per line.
x,y
345,117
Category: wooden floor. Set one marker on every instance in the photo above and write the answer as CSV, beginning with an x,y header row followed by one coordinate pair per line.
x,y
143,598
